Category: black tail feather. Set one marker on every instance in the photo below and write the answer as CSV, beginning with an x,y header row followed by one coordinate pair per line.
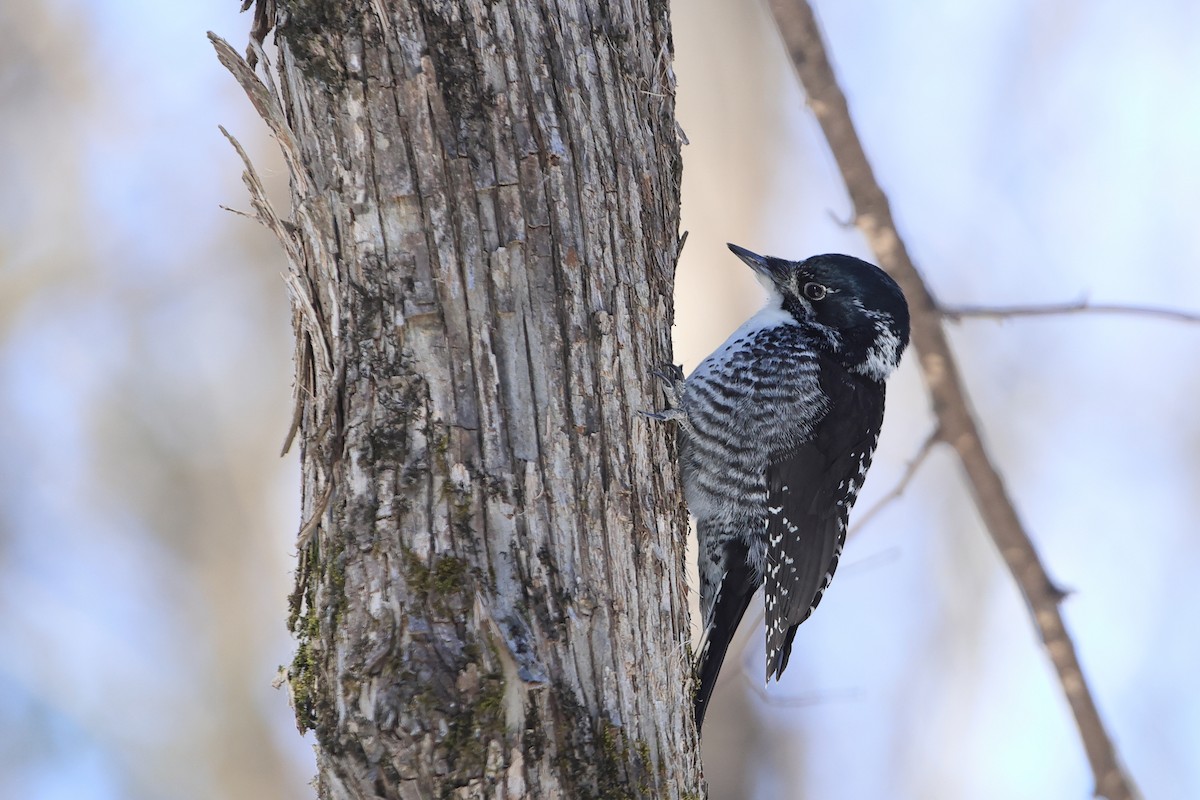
x,y
733,597
775,669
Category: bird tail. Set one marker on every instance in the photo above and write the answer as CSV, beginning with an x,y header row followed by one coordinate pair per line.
x,y
733,597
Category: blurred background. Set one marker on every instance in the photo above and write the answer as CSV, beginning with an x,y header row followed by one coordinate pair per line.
x,y
1034,152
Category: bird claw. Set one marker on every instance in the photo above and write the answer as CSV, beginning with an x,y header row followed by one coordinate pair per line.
x,y
669,415
672,377
669,373
676,415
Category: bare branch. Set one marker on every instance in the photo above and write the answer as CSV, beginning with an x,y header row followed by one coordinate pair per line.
x,y
909,473
1083,306
874,218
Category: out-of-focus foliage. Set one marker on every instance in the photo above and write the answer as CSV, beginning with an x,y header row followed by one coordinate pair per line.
x,y
144,392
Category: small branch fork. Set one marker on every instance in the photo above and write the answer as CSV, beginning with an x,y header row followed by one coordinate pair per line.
x,y
955,419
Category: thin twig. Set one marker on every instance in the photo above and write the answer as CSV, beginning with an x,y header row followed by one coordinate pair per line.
x,y
882,558
251,217
873,216
797,701
909,473
957,313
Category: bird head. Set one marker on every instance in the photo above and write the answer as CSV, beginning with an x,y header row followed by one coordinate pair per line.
x,y
858,310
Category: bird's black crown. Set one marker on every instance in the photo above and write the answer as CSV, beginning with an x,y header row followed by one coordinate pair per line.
x,y
858,310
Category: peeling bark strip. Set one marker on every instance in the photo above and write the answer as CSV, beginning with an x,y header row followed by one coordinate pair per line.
x,y
485,199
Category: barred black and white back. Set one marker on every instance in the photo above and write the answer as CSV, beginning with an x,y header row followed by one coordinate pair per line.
x,y
778,429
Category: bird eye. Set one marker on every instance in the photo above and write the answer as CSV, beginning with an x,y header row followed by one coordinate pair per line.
x,y
814,291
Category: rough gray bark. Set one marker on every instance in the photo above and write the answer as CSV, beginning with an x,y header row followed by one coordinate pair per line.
x,y
489,600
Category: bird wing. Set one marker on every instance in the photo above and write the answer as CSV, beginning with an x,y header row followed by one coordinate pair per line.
x,y
810,490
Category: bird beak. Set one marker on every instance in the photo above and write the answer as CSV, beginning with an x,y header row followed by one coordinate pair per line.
x,y
769,268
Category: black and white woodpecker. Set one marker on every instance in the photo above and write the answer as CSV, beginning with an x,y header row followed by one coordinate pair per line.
x,y
778,429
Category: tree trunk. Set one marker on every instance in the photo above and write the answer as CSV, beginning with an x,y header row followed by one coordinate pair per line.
x,y
485,198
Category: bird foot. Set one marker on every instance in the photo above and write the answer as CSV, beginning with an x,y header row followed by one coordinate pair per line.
x,y
667,415
672,377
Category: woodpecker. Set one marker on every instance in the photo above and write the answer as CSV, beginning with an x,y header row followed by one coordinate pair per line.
x,y
778,427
